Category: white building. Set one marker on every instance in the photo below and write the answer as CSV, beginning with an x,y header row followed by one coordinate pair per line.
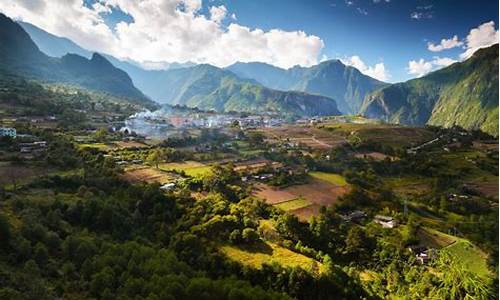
x,y
8,131
386,222
168,186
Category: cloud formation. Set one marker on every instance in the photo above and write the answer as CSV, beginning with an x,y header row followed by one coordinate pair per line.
x,y
167,31
377,71
482,36
445,44
421,67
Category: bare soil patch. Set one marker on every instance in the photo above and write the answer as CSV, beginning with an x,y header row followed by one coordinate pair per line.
x,y
317,192
271,194
147,174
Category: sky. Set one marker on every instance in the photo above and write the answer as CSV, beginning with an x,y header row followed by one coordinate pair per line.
x,y
391,40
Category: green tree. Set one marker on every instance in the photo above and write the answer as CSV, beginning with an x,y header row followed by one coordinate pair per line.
x,y
250,236
5,233
155,157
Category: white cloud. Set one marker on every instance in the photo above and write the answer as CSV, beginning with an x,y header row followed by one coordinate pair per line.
x,y
443,61
445,44
418,15
377,71
167,31
480,37
218,13
233,16
421,67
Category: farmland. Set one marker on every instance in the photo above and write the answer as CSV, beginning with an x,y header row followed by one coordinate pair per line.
x,y
470,256
293,204
329,177
280,200
309,137
390,135
190,168
304,200
137,174
268,253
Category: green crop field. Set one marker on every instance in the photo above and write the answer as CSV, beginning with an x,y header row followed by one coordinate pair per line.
x,y
330,177
191,168
270,253
472,258
293,204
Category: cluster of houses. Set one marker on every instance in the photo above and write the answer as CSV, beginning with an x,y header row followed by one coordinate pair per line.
x,y
359,215
33,147
256,165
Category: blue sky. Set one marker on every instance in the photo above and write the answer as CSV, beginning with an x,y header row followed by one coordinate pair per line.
x,y
376,31
386,39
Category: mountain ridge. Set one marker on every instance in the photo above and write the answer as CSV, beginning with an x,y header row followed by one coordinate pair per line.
x,y
346,84
20,56
464,94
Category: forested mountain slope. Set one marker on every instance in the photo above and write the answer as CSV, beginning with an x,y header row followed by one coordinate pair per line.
x,y
463,94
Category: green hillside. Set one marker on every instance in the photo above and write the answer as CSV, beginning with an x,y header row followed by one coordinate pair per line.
x,y
20,56
347,85
463,94
211,88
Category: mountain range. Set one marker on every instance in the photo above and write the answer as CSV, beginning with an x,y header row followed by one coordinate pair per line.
x,y
202,86
20,56
464,94
347,85
209,87
331,79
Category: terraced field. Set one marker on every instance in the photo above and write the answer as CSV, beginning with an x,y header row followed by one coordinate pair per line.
x,y
305,200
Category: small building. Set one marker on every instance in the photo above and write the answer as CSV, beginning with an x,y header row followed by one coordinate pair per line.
x,y
425,256
8,131
385,221
168,186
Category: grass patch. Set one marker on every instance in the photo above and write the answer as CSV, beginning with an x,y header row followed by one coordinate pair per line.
x,y
99,146
473,258
409,186
466,253
330,177
293,204
269,253
190,168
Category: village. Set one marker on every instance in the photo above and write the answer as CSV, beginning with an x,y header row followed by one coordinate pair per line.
x,y
299,168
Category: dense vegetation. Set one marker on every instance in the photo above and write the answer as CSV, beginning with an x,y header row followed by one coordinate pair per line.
x,y
463,94
84,232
